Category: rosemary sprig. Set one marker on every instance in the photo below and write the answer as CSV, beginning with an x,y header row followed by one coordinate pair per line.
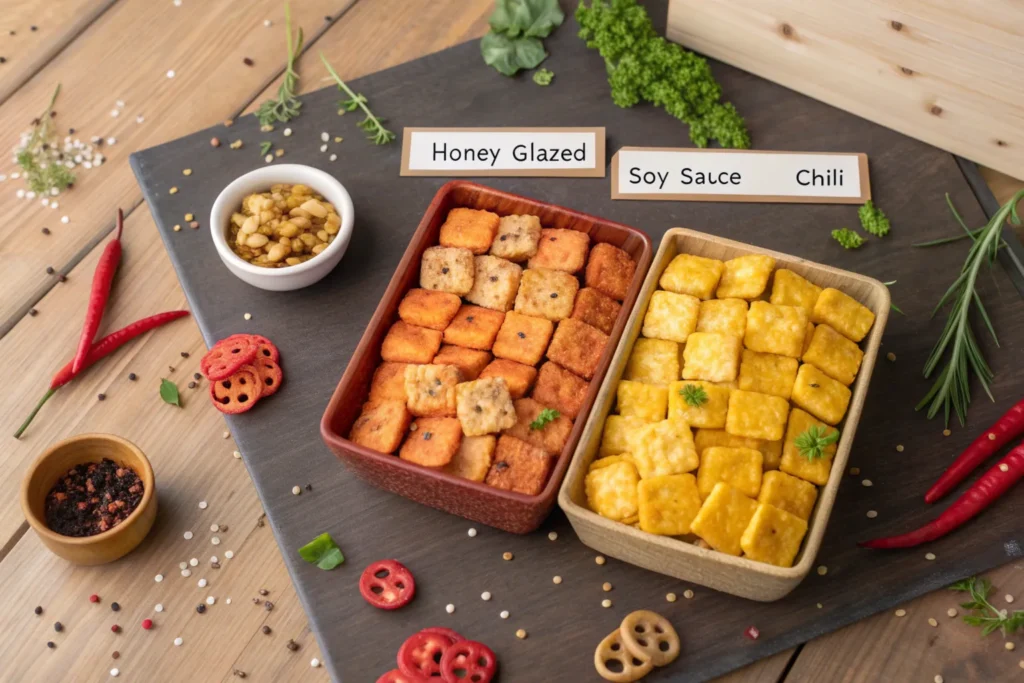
x,y
374,127
984,614
285,106
952,390
694,395
39,157
813,441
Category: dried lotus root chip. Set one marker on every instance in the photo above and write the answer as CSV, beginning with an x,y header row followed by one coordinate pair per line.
x,y
226,357
237,393
270,375
649,635
616,664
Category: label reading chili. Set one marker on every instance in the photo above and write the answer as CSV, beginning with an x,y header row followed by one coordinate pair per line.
x,y
92,498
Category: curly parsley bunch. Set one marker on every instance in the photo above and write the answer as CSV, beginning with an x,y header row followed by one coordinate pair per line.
x,y
645,67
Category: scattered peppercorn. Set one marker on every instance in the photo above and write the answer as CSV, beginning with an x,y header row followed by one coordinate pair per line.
x,y
62,278
46,231
115,654
292,645
264,591
184,354
268,605
266,630
132,376
239,673
91,498
201,608
196,376
101,397
191,385
39,610
33,312
49,270
247,61
309,487
115,628
33,28
115,607
58,627
94,598
50,644
147,624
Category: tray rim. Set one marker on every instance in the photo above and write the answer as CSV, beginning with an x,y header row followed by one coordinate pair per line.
x,y
336,441
772,577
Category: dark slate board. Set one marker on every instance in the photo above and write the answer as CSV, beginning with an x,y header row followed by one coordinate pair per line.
x,y
317,329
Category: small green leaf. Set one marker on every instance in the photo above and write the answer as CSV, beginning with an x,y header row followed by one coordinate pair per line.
x,y
545,416
169,392
812,442
694,395
531,18
847,238
509,55
323,552
543,76
873,219
265,147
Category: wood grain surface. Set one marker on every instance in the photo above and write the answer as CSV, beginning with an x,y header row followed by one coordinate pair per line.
x,y
188,447
360,517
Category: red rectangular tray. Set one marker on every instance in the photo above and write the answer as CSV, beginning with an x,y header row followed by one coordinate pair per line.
x,y
514,512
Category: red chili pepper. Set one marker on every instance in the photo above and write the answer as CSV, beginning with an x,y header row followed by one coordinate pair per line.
x,y
100,349
989,487
387,584
1008,426
102,278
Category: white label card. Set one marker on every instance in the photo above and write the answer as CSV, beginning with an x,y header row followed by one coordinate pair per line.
x,y
478,152
726,175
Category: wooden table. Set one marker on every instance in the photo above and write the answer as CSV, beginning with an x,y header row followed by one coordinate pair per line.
x,y
106,51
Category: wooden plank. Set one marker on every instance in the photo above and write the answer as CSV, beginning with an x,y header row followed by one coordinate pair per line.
x,y
33,32
768,670
211,83
891,648
936,71
331,316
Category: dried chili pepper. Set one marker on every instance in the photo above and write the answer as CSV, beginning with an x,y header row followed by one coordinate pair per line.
x,y
989,487
100,349
102,279
998,435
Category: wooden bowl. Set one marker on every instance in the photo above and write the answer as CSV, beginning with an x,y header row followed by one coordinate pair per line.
x,y
54,463
665,554
514,512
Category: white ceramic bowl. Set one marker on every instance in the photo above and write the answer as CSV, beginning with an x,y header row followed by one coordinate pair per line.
x,y
292,277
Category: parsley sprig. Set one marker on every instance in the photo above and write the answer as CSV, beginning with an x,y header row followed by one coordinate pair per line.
x,y
873,219
984,614
545,416
694,395
813,441
374,126
847,238
285,106
39,156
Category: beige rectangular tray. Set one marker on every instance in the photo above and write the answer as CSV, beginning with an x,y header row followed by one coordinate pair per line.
x,y
667,555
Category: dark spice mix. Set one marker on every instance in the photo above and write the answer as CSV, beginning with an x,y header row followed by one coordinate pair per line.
x,y
92,498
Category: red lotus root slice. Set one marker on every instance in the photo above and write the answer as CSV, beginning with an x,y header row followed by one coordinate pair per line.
x,y
239,392
225,358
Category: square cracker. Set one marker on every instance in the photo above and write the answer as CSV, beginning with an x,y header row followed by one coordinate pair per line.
x,y
552,437
523,338
471,229
654,361
381,425
388,382
519,467
789,289
473,459
668,504
708,415
637,399
432,442
671,316
712,357
723,316
693,275
767,373
776,329
560,389
741,468
745,277
447,269
833,354
596,309
773,536
789,493
474,327
820,395
723,518
771,450
612,490
618,433
484,406
430,389
470,362
610,270
564,250
577,347
664,447
428,308
758,416
517,238
518,377
793,461
843,313
547,294
407,343
496,283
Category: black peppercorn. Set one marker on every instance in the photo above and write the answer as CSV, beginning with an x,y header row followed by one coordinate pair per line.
x,y
49,270
191,385
247,61
39,610
201,608
266,630
50,644
46,231
268,605
33,312
100,397
132,376
58,627
196,375
264,591
184,354
116,607
292,645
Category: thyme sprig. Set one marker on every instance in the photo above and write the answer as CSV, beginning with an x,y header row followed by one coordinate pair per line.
x,y
39,157
285,106
374,126
951,391
984,614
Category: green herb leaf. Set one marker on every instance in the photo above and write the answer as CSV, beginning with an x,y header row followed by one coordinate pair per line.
x,y
323,552
694,395
547,415
985,614
265,147
644,66
814,441
873,220
847,238
285,106
40,156
532,18
373,125
169,392
509,55
543,76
